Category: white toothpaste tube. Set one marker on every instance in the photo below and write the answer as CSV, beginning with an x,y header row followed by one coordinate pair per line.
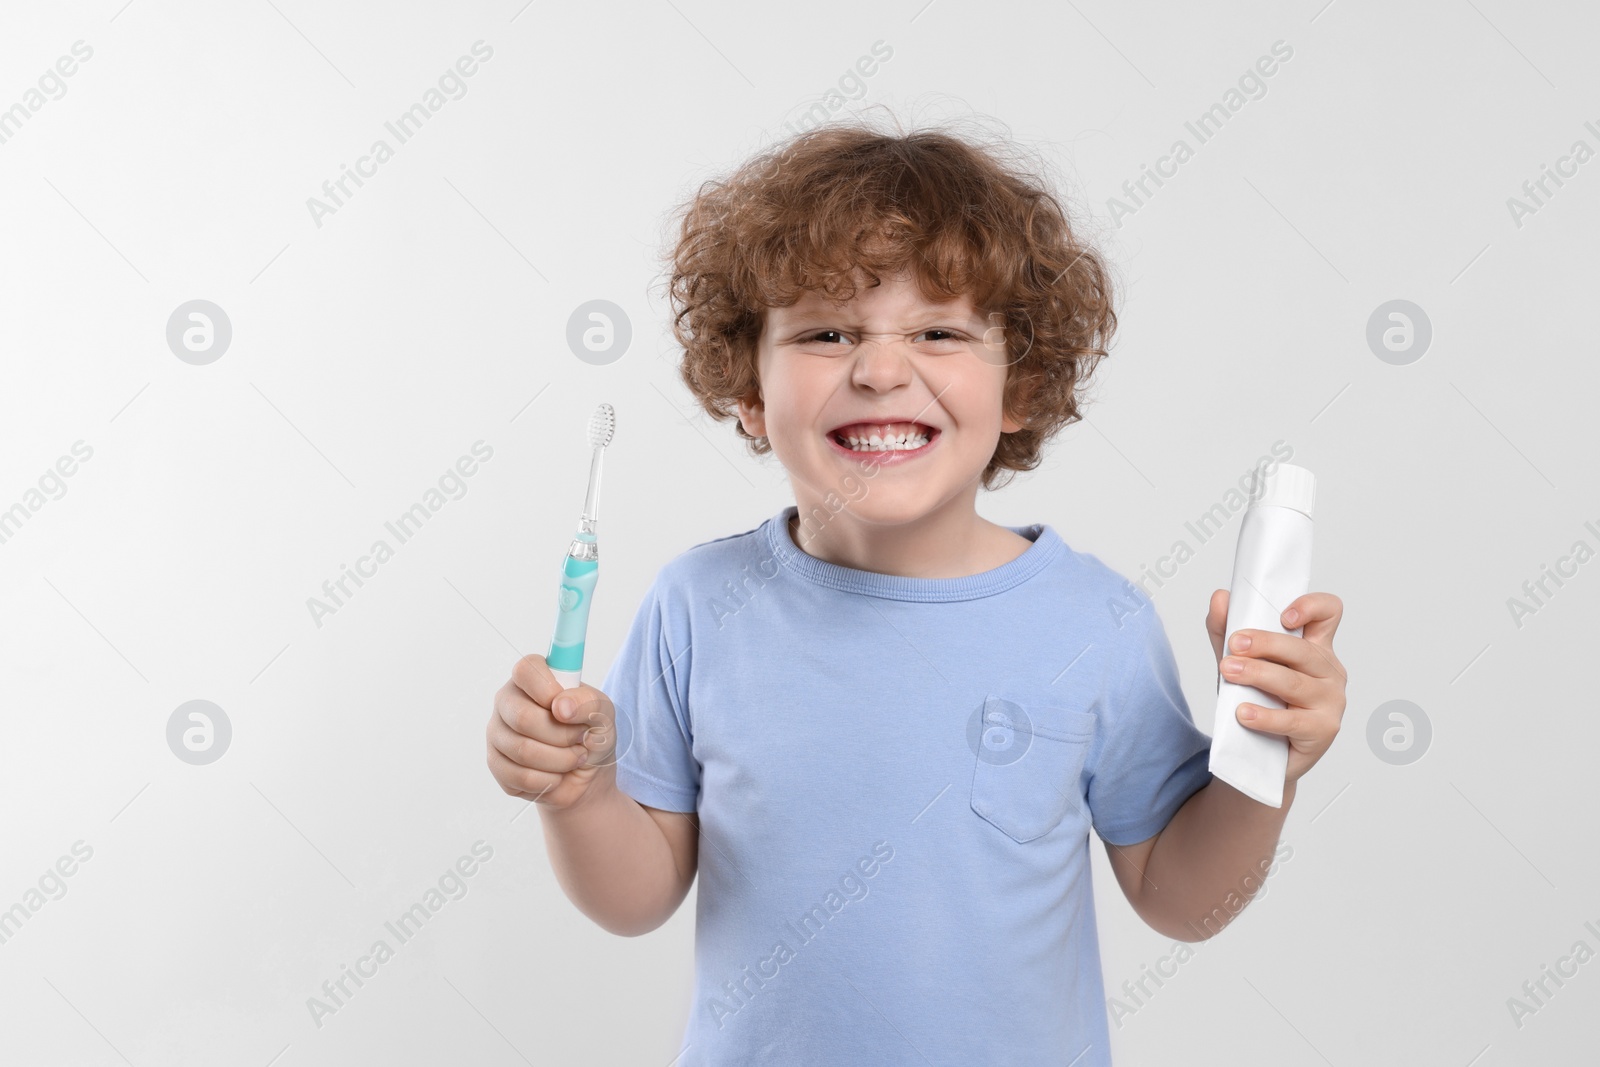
x,y
1271,567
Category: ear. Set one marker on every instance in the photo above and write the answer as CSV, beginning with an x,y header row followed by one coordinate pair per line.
x,y
753,416
1008,423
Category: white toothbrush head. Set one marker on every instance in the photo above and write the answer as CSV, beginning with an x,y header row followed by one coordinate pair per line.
x,y
602,424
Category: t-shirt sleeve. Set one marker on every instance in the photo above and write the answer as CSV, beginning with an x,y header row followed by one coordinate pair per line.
x,y
1149,756
648,683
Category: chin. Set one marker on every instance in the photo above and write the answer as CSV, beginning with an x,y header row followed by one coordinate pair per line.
x,y
883,507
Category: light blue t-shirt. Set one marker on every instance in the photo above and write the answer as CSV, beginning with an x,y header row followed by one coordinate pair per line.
x,y
895,779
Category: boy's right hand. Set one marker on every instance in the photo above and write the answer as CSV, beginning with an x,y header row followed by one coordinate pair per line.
x,y
534,751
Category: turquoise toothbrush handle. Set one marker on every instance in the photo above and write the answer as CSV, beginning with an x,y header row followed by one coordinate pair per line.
x,y
578,578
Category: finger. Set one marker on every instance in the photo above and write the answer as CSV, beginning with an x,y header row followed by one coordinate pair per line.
x,y
1319,613
1285,722
520,781
535,755
1217,619
1288,685
1293,652
1268,720
520,714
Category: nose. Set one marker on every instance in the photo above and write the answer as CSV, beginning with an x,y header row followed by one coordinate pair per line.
x,y
880,365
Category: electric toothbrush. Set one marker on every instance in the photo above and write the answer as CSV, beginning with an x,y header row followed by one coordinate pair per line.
x,y
582,567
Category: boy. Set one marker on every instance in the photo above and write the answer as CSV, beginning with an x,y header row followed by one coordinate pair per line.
x,y
878,726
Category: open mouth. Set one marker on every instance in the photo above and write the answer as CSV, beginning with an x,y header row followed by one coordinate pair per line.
x,y
884,437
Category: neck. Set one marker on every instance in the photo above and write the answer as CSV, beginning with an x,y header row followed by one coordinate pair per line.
x,y
951,542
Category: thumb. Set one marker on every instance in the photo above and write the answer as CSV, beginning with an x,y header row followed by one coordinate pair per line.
x,y
582,705
1217,621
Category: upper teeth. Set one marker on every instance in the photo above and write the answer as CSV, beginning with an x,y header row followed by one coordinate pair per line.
x,y
891,443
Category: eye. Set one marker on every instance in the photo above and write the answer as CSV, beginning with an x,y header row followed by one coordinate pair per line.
x,y
813,338
937,335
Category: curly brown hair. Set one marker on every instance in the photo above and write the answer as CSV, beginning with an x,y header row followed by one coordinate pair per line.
x,y
819,209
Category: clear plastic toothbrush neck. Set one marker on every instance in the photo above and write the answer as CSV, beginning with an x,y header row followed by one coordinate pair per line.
x,y
591,505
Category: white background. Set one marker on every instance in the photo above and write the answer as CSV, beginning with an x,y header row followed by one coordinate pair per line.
x,y
430,312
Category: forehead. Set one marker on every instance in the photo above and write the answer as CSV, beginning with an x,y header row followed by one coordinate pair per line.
x,y
896,297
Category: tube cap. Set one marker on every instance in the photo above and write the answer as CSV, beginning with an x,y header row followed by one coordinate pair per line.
x,y
1288,486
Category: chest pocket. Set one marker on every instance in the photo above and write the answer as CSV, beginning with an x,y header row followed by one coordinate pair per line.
x,y
1028,763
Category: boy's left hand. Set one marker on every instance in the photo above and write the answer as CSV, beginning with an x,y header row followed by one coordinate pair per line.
x,y
1301,671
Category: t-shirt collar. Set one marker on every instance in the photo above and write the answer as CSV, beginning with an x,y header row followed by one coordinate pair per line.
x,y
1046,544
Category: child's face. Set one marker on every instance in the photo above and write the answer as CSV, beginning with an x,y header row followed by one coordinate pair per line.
x,y
888,355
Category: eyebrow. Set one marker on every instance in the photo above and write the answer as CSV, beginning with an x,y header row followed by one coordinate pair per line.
x,y
795,316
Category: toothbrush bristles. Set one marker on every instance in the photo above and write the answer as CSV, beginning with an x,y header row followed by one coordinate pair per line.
x,y
602,424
